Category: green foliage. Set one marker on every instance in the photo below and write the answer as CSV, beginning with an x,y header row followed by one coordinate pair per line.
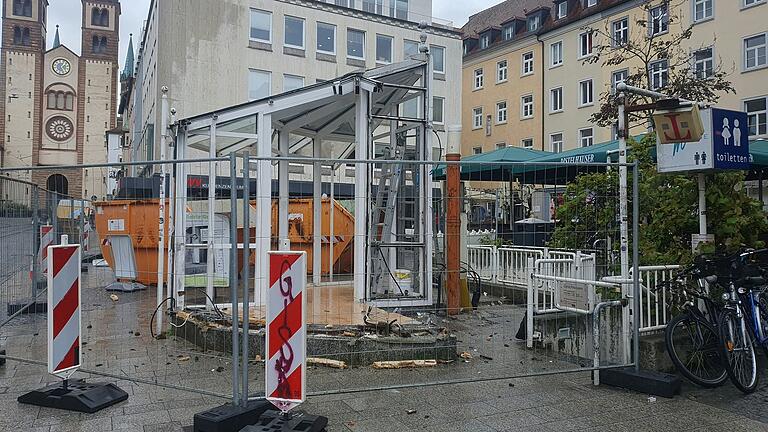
x,y
668,211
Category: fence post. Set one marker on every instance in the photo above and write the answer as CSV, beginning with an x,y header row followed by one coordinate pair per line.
x,y
529,268
36,240
246,270
636,266
233,282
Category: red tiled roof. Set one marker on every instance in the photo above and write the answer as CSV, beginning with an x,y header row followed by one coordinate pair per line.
x,y
501,13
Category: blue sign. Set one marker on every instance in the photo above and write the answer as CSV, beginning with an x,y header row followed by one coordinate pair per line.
x,y
730,139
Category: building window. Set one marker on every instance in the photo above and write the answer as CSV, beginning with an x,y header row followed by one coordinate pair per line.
x,y
326,38
477,118
294,32
556,142
757,116
478,79
562,9
261,26
384,45
259,84
438,58
398,9
500,146
410,48
501,71
591,3
292,82
659,74
556,100
509,32
755,52
704,64
533,23
586,137
586,93
437,110
526,107
22,8
501,112
585,44
659,20
618,77
477,150
527,143
620,32
702,10
485,41
100,17
21,36
752,2
99,45
369,6
356,44
556,50
528,63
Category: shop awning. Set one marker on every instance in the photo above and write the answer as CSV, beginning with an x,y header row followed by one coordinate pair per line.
x,y
493,166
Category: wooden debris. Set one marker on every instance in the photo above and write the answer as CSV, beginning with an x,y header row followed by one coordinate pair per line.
x,y
465,355
319,361
348,334
183,358
404,364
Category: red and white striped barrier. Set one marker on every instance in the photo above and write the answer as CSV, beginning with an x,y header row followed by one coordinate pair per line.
x,y
64,345
286,330
46,239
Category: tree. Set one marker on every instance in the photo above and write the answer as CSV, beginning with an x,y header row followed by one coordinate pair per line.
x,y
668,211
656,57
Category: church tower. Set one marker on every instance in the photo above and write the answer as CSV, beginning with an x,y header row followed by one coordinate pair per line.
x,y
21,63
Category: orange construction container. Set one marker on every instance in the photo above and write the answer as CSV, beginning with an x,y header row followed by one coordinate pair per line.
x,y
139,220
302,237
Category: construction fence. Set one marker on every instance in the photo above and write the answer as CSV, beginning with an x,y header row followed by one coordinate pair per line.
x,y
174,263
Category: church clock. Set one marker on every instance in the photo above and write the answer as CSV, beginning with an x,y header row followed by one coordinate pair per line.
x,y
61,67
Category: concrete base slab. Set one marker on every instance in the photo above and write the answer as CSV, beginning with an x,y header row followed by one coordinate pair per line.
x,y
125,287
642,381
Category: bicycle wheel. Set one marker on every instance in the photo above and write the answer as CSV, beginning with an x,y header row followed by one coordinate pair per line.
x,y
762,306
738,351
693,347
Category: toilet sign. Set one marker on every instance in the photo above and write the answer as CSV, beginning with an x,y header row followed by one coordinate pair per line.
x,y
724,145
286,368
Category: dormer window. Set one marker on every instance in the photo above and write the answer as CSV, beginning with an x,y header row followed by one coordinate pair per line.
x,y
562,10
509,32
485,41
533,23
100,17
22,8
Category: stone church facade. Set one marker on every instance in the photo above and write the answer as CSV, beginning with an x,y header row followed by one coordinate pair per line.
x,y
55,105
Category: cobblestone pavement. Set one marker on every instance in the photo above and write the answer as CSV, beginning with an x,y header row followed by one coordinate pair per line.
x,y
118,343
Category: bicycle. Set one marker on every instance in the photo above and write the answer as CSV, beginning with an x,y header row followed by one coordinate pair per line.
x,y
691,337
743,323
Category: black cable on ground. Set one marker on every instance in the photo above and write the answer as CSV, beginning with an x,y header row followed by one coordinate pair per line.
x,y
390,272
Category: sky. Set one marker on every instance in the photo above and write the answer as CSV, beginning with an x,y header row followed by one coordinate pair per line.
x,y
67,14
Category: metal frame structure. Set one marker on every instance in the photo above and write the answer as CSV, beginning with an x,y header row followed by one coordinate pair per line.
x,y
340,118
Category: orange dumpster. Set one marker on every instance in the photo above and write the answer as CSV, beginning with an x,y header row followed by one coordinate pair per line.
x,y
301,234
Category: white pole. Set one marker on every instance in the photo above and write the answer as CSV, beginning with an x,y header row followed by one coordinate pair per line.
x,y
284,147
702,204
332,234
624,227
161,206
210,259
170,223
263,241
361,194
317,214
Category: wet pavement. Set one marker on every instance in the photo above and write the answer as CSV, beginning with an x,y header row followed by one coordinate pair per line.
x,y
170,380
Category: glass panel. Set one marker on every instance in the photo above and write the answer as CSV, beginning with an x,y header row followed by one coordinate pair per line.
x,y
355,43
294,32
261,25
326,38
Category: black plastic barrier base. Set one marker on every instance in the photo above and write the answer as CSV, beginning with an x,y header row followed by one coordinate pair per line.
x,y
643,381
274,421
230,418
76,396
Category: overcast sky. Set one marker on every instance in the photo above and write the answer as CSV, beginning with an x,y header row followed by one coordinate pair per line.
x,y
67,14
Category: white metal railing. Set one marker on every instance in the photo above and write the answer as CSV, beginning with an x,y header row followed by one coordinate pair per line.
x,y
482,259
513,262
654,307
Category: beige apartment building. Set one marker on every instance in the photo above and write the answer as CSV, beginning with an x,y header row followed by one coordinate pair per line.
x,y
731,34
213,55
